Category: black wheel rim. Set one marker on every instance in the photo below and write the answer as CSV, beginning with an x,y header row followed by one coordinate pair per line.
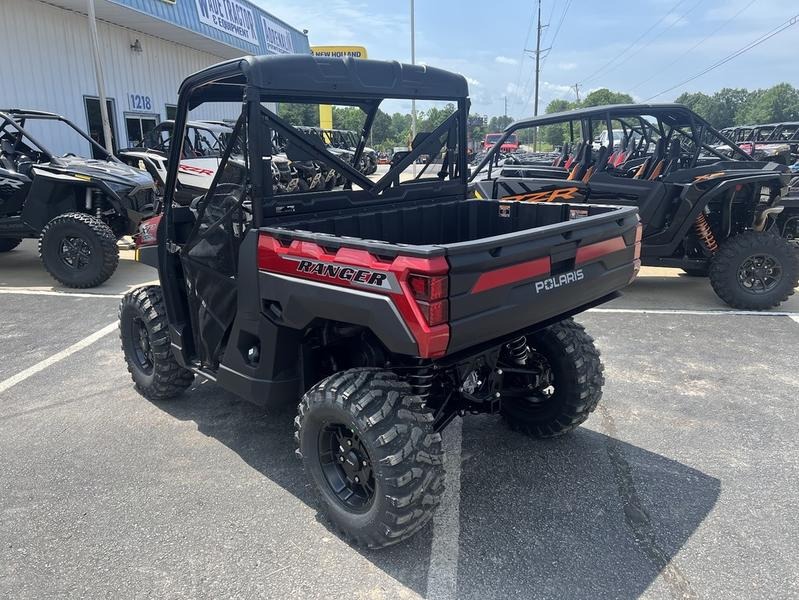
x,y
346,467
533,384
759,273
74,252
140,342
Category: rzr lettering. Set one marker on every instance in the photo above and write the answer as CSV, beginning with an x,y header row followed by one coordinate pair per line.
x,y
551,283
362,276
14,183
548,196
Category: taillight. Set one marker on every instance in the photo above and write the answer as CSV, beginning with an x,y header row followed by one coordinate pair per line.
x,y
435,313
425,287
639,234
148,232
430,293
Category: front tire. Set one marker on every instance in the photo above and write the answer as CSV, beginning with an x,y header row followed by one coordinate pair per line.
x,y
567,390
755,271
8,244
370,452
78,250
144,333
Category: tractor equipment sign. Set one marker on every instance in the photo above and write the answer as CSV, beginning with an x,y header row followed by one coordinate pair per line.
x,y
230,17
278,38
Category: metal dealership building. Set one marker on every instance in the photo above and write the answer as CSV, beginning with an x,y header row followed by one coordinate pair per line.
x,y
147,48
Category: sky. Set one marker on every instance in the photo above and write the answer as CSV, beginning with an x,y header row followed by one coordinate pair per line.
x,y
642,47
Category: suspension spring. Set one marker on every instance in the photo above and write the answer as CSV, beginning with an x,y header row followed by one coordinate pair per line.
x,y
518,350
422,382
705,233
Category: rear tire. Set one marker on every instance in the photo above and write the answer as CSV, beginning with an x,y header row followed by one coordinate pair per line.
x,y
8,244
576,383
78,250
144,333
370,452
755,271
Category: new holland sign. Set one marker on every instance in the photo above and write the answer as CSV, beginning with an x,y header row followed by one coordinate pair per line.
x,y
229,16
339,51
325,111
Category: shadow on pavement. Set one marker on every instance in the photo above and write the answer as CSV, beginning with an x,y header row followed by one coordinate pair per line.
x,y
22,268
583,516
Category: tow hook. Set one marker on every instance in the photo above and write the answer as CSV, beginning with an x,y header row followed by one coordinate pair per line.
x,y
760,223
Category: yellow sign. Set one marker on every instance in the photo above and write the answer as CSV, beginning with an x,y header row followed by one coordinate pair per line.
x,y
339,51
326,111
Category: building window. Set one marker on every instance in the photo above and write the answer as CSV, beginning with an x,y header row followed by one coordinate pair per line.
x,y
95,122
138,126
171,112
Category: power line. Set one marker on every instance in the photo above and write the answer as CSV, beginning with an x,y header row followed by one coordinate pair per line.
x,y
658,72
560,24
521,60
764,38
657,36
628,48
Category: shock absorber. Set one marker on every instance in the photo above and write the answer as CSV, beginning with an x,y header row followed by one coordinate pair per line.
x,y
705,233
518,350
422,382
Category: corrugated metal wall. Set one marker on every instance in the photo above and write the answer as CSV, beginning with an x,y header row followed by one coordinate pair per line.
x,y
184,13
48,66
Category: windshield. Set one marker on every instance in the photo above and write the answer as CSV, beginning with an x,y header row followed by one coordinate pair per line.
x,y
493,138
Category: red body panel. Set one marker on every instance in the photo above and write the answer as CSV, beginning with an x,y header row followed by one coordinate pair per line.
x,y
274,257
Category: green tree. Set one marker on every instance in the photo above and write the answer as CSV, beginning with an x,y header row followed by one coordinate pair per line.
x,y
604,96
496,124
348,117
779,103
299,114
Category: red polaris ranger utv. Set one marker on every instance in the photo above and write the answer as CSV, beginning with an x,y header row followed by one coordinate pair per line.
x,y
386,308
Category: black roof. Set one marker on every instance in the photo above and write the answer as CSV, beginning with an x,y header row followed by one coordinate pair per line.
x,y
343,78
678,112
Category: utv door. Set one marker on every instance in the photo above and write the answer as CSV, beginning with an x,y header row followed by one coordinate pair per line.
x,y
14,188
209,256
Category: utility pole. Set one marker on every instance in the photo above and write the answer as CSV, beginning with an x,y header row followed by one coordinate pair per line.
x,y
506,106
537,52
577,91
98,68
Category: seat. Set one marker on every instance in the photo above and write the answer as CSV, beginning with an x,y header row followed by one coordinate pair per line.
x,y
600,164
563,157
582,165
7,155
674,155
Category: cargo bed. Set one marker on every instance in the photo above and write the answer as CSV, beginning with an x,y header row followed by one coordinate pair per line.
x,y
511,265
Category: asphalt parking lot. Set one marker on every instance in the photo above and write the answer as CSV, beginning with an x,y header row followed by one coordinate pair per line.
x,y
682,485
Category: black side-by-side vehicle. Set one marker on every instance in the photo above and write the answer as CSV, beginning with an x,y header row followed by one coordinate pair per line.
x,y
77,207
385,308
706,205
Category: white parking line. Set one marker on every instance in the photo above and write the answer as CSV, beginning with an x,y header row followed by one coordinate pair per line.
x,y
442,576
41,366
35,292
795,318
678,311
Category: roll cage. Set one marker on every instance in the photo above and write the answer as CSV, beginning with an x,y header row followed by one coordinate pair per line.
x,y
642,124
16,119
256,81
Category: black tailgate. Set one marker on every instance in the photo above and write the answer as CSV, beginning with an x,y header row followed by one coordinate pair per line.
x,y
511,282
